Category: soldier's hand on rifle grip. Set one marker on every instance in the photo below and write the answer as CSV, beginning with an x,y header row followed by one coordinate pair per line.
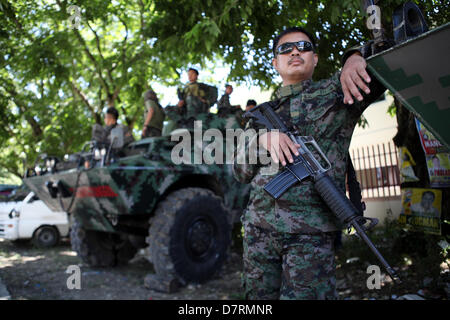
x,y
354,75
280,146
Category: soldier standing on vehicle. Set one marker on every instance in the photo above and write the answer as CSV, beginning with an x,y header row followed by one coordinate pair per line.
x,y
224,102
288,243
225,108
153,117
193,96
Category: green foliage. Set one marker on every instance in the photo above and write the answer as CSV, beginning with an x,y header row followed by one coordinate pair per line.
x,y
362,122
55,81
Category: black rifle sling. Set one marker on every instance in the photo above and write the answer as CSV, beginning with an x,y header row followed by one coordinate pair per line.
x,y
354,188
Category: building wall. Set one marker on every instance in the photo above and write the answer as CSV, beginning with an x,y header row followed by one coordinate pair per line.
x,y
381,129
381,208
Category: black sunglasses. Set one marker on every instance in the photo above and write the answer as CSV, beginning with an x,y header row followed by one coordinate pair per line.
x,y
289,46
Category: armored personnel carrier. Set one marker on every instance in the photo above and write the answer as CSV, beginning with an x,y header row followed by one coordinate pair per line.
x,y
122,198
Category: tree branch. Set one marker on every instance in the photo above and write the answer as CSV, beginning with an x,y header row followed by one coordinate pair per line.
x,y
10,13
91,57
97,40
86,50
10,169
86,102
35,126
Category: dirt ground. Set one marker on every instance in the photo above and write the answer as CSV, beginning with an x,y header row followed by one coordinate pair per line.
x,y
32,273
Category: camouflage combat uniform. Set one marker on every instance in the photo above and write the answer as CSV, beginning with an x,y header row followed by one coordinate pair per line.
x,y
193,95
224,102
155,126
127,135
103,134
240,117
288,243
225,109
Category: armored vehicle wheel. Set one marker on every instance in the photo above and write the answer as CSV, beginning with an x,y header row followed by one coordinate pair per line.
x,y
45,237
100,249
189,235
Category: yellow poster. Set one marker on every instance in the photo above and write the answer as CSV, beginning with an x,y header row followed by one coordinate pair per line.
x,y
439,170
406,166
421,209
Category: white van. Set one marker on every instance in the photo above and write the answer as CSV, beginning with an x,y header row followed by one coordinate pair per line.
x,y
32,219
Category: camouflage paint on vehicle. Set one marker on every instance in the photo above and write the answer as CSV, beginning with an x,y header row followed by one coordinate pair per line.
x,y
418,73
134,184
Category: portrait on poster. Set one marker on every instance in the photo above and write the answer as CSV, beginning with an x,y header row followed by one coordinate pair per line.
x,y
439,170
421,209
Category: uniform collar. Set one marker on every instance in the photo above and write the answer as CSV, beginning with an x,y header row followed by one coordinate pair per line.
x,y
292,89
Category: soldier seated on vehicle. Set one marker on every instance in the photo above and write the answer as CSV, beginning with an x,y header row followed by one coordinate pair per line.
x,y
103,134
250,104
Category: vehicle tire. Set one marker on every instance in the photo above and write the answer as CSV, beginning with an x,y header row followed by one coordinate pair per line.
x,y
189,235
45,237
100,249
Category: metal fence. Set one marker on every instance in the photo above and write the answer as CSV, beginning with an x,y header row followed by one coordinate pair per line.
x,y
377,170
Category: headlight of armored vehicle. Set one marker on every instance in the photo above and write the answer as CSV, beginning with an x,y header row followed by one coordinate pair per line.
x,y
50,163
38,170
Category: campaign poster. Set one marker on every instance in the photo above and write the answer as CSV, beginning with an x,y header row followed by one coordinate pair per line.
x,y
406,166
429,143
439,170
421,210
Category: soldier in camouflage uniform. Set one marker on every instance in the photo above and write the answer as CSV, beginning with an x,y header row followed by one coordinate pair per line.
x,y
225,109
153,117
193,97
288,243
224,102
250,104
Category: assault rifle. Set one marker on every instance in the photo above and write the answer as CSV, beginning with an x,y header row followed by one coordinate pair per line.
x,y
306,166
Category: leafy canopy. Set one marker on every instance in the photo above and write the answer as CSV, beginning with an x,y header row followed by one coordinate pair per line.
x,y
55,81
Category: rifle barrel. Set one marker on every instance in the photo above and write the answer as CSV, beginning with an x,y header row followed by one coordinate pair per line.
x,y
372,247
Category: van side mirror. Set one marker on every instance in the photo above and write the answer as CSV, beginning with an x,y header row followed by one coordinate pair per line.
x,y
13,213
